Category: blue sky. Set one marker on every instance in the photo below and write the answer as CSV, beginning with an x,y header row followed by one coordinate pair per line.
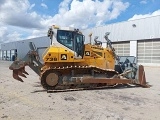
x,y
24,19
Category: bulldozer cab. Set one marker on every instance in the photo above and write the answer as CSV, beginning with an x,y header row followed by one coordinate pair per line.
x,y
72,40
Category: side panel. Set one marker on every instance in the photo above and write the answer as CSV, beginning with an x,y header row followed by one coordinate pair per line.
x,y
99,57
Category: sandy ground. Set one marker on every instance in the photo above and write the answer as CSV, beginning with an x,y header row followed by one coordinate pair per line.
x,y
21,101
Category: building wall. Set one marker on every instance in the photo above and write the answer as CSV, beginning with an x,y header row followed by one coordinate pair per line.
x,y
0,54
147,28
133,48
23,47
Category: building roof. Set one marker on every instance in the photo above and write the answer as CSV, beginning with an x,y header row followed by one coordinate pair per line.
x,y
139,29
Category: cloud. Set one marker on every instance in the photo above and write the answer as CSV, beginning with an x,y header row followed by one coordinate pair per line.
x,y
143,2
75,13
155,13
3,33
16,13
7,36
83,14
30,8
44,6
19,21
37,33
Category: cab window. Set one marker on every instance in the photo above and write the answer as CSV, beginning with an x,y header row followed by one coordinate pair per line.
x,y
65,38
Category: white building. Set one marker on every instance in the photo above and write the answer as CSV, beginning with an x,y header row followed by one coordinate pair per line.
x,y
21,48
139,38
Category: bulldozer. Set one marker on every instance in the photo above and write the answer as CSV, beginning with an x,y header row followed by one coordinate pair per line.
x,y
71,64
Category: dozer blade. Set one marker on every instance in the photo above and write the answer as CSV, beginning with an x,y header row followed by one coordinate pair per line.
x,y
140,80
142,77
18,68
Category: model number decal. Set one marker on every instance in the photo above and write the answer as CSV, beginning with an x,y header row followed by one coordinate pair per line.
x,y
51,59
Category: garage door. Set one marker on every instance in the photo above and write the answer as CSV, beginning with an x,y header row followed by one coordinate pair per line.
x,y
149,51
41,51
122,48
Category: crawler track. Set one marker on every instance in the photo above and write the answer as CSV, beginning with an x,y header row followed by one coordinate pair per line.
x,y
69,81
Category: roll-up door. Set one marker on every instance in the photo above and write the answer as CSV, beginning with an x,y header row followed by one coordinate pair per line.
x,y
149,51
122,48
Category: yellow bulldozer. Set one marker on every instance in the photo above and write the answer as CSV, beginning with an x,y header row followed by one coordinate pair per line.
x,y
70,64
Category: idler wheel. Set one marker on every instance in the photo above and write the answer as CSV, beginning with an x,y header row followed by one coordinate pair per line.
x,y
49,79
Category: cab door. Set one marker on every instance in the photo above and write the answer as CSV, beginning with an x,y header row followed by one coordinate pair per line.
x,y
79,45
